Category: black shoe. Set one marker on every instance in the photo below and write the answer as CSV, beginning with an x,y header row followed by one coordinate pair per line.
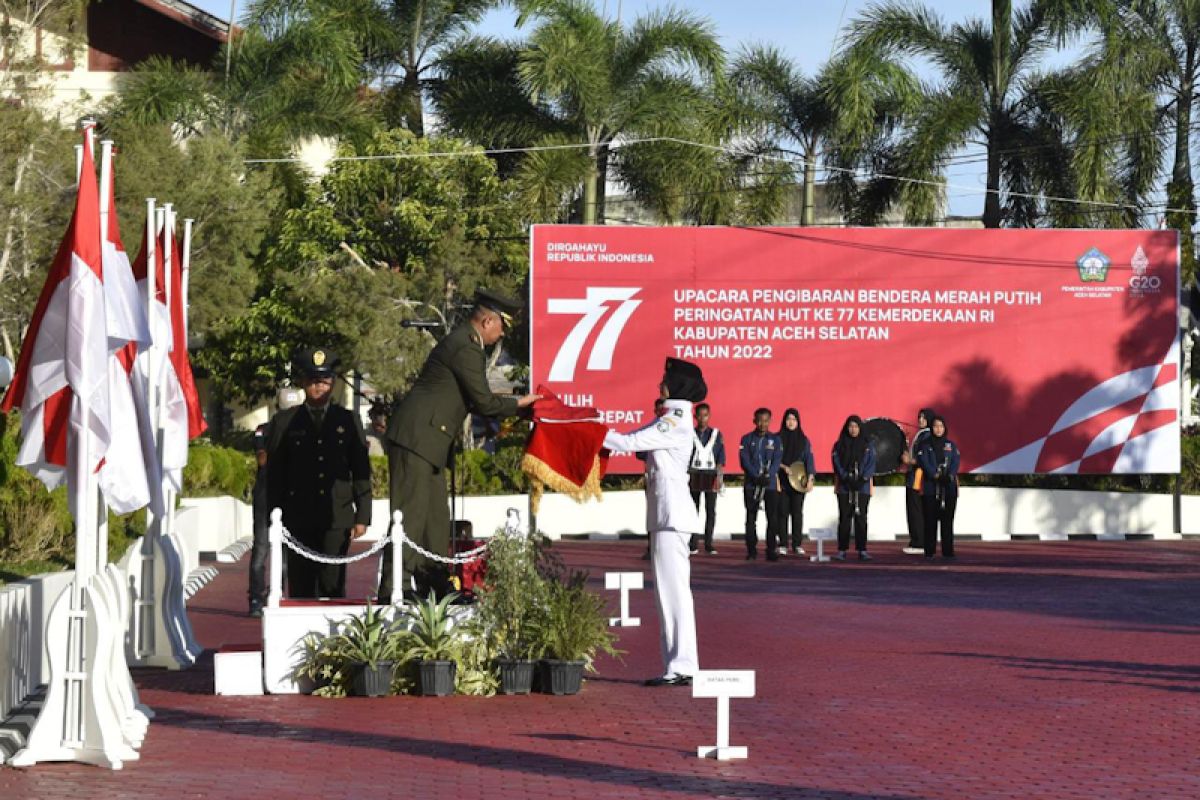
x,y
256,609
670,680
772,556
951,557
752,555
863,555
839,556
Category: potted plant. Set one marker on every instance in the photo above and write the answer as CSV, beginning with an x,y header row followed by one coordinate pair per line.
x,y
506,604
433,642
358,659
571,627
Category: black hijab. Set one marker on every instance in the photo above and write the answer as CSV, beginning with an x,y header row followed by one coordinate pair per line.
x,y
938,443
684,381
928,414
794,442
851,449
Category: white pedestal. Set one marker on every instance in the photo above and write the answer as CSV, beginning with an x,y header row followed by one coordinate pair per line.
x,y
284,629
821,536
238,672
723,685
624,581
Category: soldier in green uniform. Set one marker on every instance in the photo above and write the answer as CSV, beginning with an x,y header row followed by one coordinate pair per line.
x,y
423,426
319,476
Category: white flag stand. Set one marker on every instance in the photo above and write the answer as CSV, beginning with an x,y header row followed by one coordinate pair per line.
x,y
160,633
723,684
624,581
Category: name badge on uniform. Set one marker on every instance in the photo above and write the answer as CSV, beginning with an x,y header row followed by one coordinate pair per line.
x,y
340,429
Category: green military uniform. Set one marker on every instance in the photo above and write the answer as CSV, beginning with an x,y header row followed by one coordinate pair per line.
x,y
422,428
320,477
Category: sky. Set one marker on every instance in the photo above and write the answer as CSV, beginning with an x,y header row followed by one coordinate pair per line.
x,y
807,31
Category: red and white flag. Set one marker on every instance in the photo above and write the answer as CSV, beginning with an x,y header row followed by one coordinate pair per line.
x,y
167,360
130,477
179,350
61,381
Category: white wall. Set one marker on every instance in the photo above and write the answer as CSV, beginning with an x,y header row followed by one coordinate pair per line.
x,y
994,514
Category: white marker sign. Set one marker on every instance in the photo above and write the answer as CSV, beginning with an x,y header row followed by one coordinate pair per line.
x,y
624,581
723,684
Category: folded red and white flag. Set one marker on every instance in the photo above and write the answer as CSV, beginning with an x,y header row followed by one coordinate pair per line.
x,y
564,450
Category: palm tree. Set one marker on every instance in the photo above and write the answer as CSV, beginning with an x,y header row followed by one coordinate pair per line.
x,y
287,81
833,118
396,38
987,71
1148,59
716,169
578,79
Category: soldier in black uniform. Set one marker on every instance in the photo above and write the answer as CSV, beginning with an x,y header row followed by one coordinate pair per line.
x,y
423,426
320,476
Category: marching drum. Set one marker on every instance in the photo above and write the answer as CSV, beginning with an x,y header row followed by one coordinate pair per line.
x,y
889,443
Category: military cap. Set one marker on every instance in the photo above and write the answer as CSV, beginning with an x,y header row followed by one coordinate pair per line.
x,y
316,362
506,307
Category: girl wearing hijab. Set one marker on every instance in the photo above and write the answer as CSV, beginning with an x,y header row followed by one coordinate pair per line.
x,y
853,468
796,447
671,516
938,460
912,495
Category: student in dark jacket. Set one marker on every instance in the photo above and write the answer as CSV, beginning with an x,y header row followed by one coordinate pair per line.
x,y
853,468
796,448
938,460
912,497
759,454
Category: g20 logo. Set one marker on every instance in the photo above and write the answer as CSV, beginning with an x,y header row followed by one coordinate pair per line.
x,y
1145,283
599,302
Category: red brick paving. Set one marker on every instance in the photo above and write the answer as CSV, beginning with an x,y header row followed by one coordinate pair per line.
x,y
1025,670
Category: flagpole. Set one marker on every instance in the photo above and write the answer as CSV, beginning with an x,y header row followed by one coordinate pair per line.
x,y
106,152
187,271
144,614
168,238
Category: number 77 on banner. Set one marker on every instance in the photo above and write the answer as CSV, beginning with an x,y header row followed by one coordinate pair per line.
x,y
592,309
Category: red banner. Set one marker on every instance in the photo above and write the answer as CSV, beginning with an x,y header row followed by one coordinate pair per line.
x,y
1045,350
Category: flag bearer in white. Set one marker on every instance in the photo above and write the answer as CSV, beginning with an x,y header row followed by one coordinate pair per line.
x,y
671,516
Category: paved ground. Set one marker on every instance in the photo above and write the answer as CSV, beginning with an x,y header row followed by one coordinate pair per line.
x,y
1025,670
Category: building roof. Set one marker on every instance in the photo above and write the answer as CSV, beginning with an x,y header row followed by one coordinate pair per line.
x,y
193,16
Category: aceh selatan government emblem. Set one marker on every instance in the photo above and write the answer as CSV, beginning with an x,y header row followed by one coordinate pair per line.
x,y
1093,266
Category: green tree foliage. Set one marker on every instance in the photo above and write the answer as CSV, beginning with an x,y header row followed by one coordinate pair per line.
x,y
1135,94
206,181
36,159
37,184
377,241
397,40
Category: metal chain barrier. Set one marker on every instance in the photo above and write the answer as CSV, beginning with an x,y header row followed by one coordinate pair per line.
x,y
312,555
458,558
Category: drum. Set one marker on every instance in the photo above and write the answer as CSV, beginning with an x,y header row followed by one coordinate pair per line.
x,y
889,443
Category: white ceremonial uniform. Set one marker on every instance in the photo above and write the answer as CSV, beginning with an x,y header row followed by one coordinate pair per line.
x,y
672,518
